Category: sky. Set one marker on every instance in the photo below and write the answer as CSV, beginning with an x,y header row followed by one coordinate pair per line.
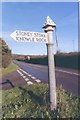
x,y
30,16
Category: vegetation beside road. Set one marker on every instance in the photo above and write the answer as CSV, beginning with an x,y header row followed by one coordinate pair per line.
x,y
12,67
67,61
6,66
6,54
63,61
41,61
32,101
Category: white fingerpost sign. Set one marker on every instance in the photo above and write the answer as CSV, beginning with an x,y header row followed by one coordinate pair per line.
x,y
47,37
49,27
27,36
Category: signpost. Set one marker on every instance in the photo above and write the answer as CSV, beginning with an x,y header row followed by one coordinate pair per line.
x,y
49,27
47,37
27,36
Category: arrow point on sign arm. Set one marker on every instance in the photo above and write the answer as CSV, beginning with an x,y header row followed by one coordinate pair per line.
x,y
13,35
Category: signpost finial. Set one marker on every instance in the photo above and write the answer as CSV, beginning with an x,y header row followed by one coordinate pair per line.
x,y
49,22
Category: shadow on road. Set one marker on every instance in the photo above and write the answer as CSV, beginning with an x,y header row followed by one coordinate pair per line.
x,y
8,82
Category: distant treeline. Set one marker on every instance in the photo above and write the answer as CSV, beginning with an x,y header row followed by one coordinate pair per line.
x,y
65,61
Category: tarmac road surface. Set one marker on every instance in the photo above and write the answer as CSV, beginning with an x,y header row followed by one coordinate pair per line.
x,y
31,74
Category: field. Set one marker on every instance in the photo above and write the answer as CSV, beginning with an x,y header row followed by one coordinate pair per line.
x,y
32,101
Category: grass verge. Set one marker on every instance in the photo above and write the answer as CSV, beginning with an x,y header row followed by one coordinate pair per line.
x,y
32,101
12,67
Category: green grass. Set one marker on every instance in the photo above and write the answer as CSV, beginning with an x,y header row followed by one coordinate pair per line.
x,y
32,101
12,67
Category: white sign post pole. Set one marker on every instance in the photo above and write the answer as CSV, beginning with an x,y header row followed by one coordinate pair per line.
x,y
49,28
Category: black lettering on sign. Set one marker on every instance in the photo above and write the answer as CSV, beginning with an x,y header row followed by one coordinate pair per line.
x,y
38,39
27,39
30,34
33,39
17,33
23,33
20,33
41,35
23,38
17,38
44,40
34,34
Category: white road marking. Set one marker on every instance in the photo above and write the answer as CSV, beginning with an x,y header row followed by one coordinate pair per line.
x,y
41,66
21,73
18,71
24,76
68,72
21,69
37,80
29,75
29,83
33,77
26,79
24,71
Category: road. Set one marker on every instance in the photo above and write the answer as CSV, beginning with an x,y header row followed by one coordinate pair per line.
x,y
30,74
